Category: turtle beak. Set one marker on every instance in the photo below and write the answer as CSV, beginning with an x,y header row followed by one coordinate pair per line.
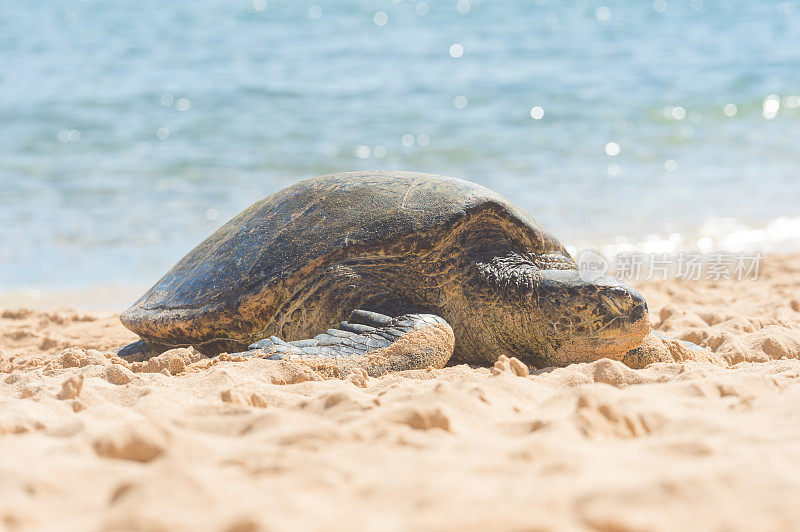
x,y
621,302
587,320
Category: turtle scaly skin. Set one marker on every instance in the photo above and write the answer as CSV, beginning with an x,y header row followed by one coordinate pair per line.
x,y
454,267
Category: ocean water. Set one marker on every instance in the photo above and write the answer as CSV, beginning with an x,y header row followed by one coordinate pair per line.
x,y
129,130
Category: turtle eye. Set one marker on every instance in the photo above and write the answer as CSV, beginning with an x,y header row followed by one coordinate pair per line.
x,y
553,261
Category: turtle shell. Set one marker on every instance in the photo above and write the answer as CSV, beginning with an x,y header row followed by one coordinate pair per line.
x,y
231,284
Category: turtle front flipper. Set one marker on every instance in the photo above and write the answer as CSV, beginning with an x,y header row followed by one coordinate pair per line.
x,y
374,342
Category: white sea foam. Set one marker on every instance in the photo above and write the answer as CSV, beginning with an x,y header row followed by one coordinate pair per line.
x,y
781,235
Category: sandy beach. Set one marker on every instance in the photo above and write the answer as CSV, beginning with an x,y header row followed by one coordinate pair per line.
x,y
658,136
181,442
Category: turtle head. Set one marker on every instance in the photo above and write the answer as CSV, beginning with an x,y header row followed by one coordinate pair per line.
x,y
557,317
584,320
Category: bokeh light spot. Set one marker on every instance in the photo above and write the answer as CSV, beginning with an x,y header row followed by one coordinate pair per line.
x,y
612,149
770,106
380,18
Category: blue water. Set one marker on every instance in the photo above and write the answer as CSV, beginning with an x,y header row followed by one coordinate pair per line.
x,y
129,130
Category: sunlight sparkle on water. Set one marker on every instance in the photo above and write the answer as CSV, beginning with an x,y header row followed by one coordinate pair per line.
x,y
612,149
463,6
460,101
537,113
770,107
602,13
407,140
69,135
676,112
423,139
456,50
380,18
162,133
363,152
730,109
422,8
314,12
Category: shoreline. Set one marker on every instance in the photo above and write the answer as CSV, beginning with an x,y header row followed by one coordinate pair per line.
x,y
723,235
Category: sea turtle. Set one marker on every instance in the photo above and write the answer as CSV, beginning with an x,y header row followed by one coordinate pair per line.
x,y
421,267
